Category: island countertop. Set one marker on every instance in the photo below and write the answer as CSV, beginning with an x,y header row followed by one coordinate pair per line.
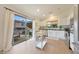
x,y
57,29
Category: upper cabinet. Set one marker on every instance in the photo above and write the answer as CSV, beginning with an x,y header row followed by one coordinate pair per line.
x,y
64,21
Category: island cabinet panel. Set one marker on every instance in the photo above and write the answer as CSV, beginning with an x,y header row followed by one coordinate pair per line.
x,y
56,34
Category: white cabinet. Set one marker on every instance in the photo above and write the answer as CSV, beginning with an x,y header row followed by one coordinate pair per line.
x,y
61,34
71,41
57,34
51,34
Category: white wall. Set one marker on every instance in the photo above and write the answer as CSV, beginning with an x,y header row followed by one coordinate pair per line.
x,y
33,26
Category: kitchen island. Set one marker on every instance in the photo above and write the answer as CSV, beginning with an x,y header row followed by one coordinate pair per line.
x,y
56,33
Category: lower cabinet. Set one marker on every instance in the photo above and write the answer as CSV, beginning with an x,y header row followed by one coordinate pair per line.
x,y
71,41
56,34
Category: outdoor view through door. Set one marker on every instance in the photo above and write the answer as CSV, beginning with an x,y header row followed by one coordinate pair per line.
x,y
22,29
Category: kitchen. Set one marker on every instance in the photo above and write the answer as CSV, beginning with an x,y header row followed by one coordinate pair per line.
x,y
57,28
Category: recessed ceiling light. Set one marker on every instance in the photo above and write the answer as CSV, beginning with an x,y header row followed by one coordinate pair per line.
x,y
38,10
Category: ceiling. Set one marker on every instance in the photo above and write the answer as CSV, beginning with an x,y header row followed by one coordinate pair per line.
x,y
42,11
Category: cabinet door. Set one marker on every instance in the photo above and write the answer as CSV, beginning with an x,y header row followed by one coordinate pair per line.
x,y
71,37
60,34
57,34
72,40
51,34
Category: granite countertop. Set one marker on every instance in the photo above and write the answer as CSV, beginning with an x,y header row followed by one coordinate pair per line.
x,y
58,29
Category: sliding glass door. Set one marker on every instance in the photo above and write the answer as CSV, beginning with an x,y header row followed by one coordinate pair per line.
x,y
22,29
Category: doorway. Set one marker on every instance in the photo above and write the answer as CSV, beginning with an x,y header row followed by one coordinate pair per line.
x,y
22,29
